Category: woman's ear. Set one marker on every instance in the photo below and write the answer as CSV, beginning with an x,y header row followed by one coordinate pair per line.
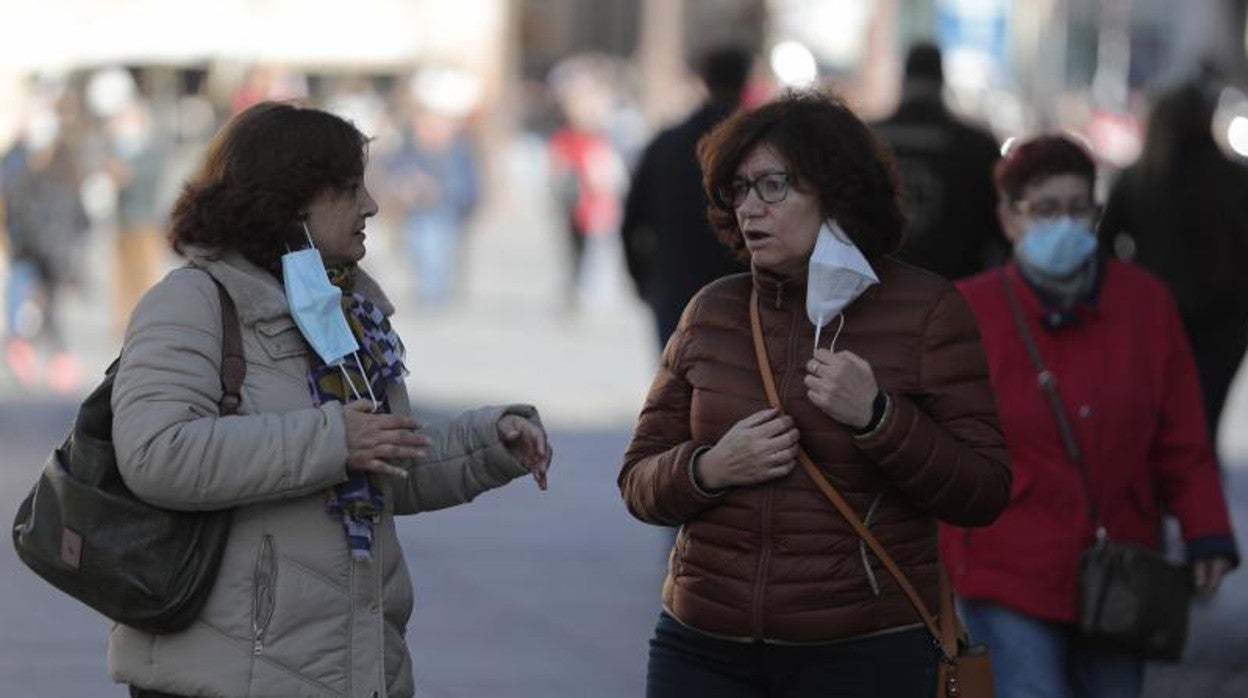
x,y
1010,224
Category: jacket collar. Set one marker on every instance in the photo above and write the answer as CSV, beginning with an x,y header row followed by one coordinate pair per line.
x,y
1051,315
777,291
259,294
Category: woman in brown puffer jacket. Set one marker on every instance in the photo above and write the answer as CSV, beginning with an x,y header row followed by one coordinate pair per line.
x,y
882,382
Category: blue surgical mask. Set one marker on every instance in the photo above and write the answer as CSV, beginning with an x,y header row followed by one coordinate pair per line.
x,y
316,306
1057,246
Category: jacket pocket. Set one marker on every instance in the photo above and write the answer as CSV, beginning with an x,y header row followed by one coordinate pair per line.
x,y
280,338
263,593
863,555
678,552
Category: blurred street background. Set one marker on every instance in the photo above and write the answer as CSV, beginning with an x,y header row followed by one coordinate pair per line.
x,y
523,593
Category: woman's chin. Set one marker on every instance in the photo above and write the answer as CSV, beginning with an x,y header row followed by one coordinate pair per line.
x,y
787,268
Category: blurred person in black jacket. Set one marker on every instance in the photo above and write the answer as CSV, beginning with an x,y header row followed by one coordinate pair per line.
x,y
946,167
1181,211
670,249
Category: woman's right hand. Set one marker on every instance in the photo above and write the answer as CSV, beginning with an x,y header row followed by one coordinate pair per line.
x,y
372,439
761,447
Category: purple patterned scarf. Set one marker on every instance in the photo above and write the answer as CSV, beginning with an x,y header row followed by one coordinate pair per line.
x,y
358,502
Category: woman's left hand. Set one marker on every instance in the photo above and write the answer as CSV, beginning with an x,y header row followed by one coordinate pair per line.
x,y
1208,574
842,385
527,443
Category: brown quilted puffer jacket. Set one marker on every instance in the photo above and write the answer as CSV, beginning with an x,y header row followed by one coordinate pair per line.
x,y
776,561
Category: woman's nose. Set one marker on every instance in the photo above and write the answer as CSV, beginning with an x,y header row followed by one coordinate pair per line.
x,y
751,205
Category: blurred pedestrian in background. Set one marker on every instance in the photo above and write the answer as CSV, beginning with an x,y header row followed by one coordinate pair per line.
x,y
587,172
1110,335
946,168
313,593
46,225
433,179
669,246
769,591
133,155
1182,212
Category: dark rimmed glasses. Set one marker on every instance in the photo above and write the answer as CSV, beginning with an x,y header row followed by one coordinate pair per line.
x,y
771,188
1048,208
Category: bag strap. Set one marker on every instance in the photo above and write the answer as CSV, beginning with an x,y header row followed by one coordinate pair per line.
x,y
1044,377
233,362
1048,384
947,635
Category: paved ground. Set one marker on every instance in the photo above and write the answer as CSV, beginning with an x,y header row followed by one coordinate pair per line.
x,y
520,594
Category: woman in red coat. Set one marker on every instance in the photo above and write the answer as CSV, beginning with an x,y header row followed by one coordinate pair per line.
x,y
1110,334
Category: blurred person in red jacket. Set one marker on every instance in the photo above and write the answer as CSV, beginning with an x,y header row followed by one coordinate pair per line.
x,y
1110,334
587,172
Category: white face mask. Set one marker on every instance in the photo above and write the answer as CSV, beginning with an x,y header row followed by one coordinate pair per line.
x,y
837,274
316,306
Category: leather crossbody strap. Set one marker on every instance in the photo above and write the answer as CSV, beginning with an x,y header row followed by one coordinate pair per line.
x,y
233,363
1044,377
1048,384
946,637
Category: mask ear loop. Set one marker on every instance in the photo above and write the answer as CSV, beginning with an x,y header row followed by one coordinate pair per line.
x,y
346,377
306,233
840,326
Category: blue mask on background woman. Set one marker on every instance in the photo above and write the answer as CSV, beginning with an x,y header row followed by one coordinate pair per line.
x,y
1057,247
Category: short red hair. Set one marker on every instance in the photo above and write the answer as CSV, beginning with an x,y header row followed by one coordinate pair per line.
x,y
1026,162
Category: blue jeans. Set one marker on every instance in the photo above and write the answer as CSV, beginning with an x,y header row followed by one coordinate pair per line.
x,y
1038,659
687,664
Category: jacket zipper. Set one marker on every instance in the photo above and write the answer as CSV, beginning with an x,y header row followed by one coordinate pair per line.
x,y
263,599
790,351
862,546
764,561
379,622
765,543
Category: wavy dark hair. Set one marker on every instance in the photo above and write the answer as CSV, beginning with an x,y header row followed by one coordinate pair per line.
x,y
832,152
259,174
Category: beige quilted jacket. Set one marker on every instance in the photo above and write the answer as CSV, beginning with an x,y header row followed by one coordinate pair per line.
x,y
291,613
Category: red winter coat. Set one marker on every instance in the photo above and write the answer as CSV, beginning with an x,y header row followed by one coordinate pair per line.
x,y
1128,384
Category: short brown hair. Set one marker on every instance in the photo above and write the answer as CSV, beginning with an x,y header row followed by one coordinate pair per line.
x,y
832,153
1026,162
260,172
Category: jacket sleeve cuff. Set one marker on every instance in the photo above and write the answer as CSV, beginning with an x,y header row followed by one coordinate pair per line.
x,y
879,418
693,479
1215,545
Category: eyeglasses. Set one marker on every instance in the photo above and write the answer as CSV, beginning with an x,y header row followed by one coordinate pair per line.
x,y
1049,208
771,188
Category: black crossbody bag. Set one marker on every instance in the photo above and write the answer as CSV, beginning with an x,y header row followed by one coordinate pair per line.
x,y
1130,597
84,531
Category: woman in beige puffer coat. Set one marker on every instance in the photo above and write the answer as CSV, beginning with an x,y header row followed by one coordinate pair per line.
x,y
313,595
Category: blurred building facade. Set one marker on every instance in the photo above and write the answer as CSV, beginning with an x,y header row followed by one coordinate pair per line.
x,y
1016,65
